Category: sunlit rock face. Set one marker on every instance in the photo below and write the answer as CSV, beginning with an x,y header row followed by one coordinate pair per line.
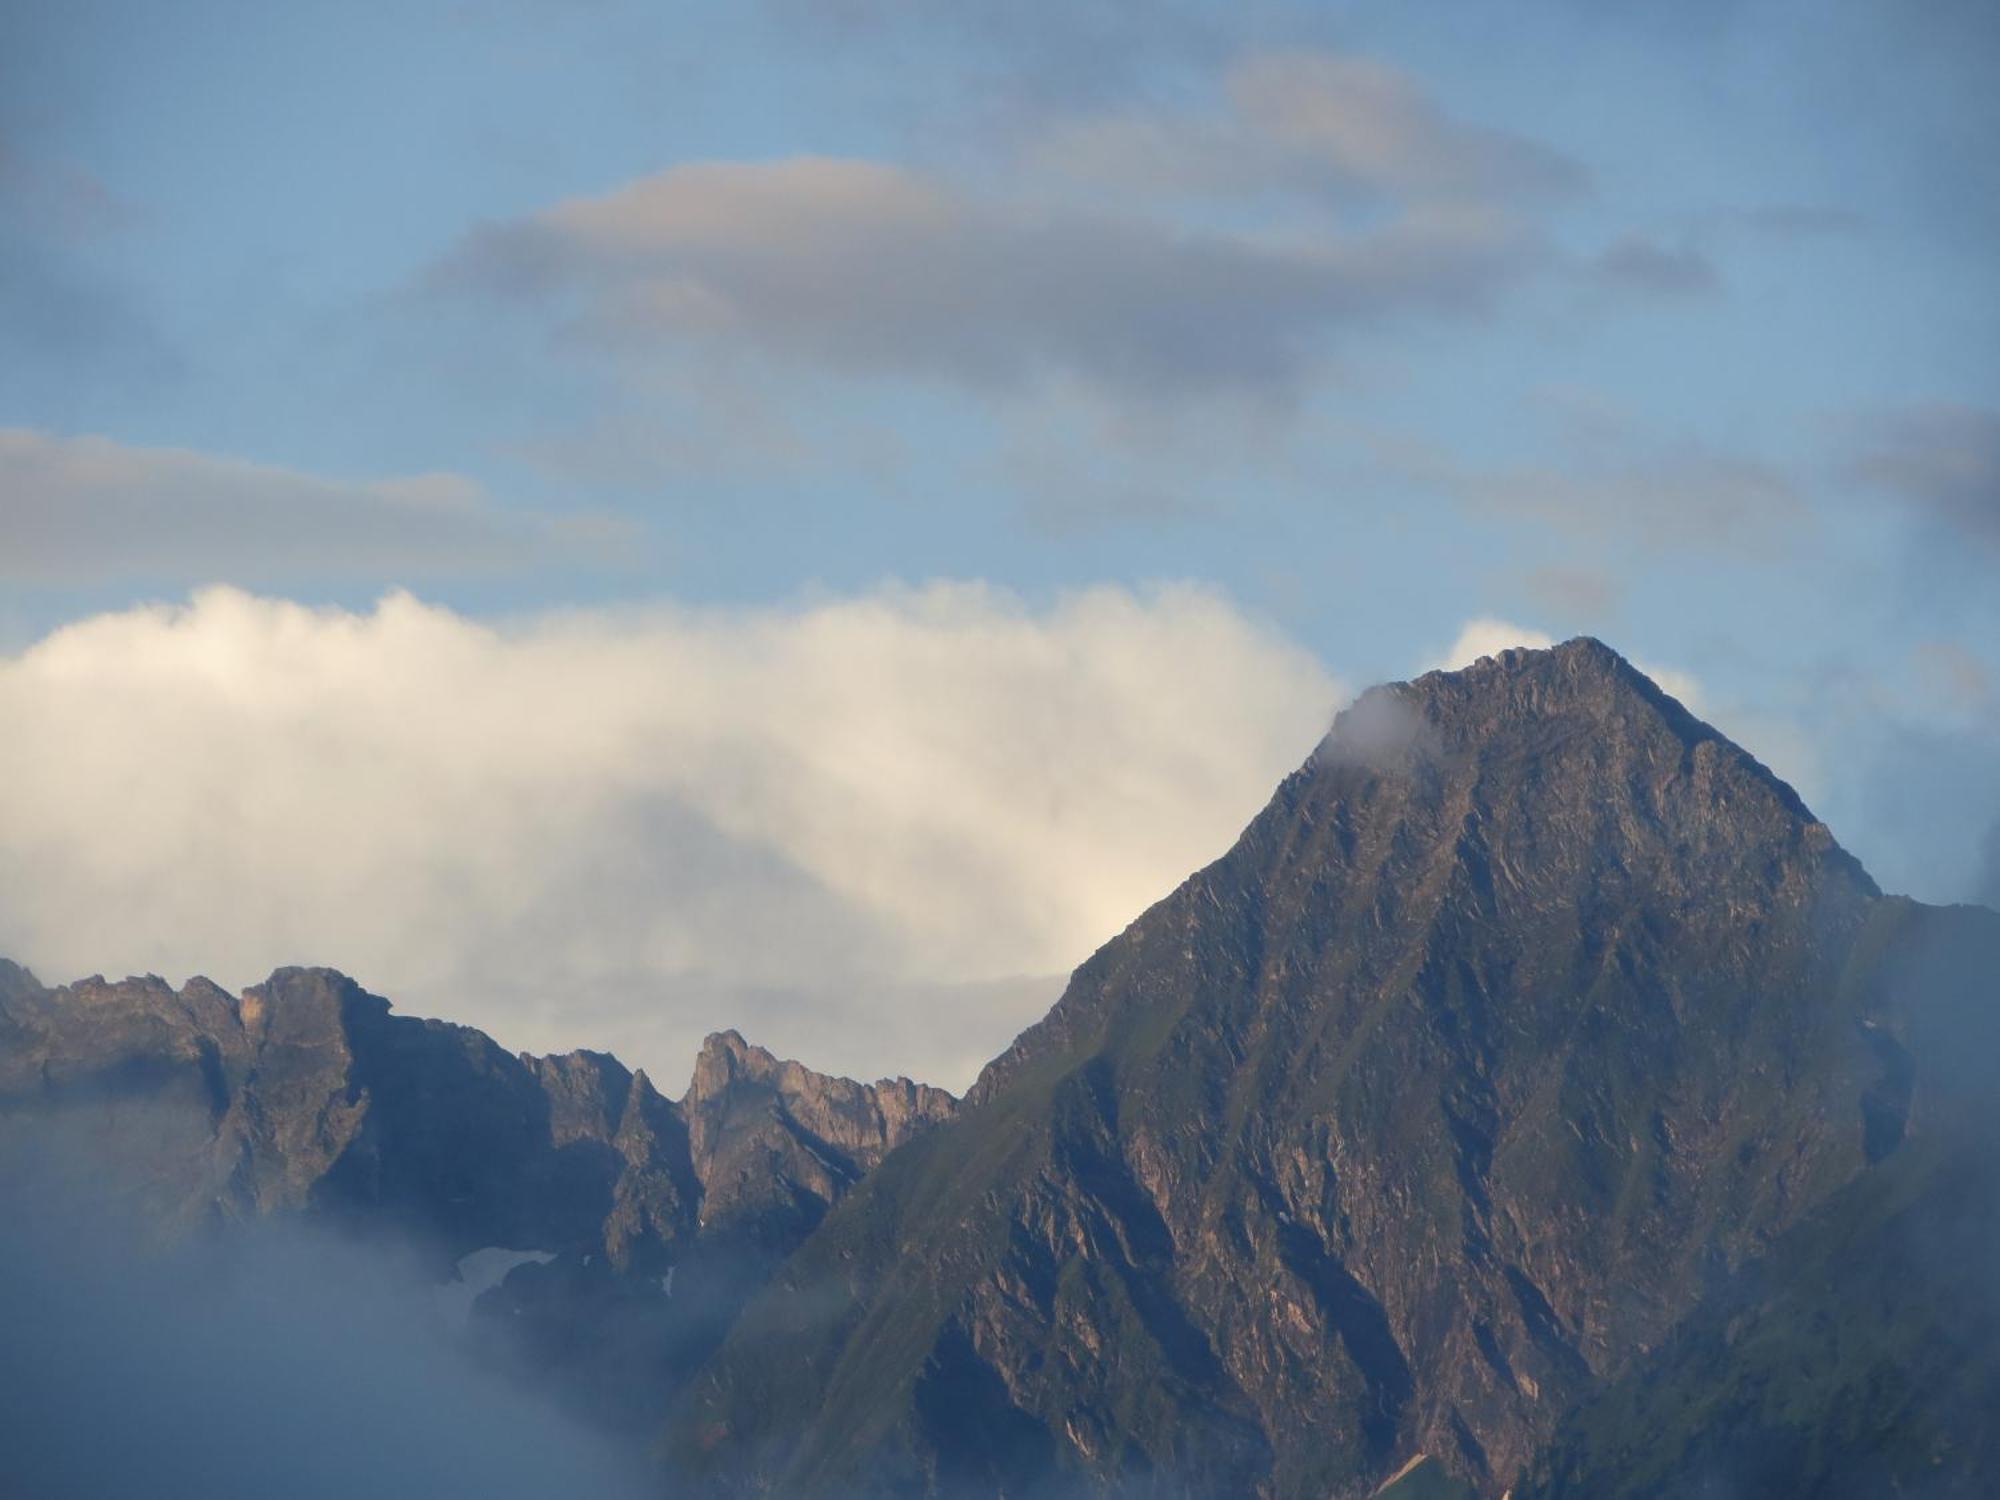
x,y
775,1144
1527,1010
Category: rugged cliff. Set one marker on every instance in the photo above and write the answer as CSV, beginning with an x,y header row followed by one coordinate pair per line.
x,y
1861,1356
306,1096
1528,1010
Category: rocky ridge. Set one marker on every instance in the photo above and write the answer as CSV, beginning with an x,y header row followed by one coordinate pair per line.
x,y
306,1096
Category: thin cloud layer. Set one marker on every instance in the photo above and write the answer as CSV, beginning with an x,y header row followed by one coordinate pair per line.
x,y
277,1360
93,509
1944,461
1080,48
1639,264
1610,486
1158,255
58,306
847,827
1321,125
1986,884
861,267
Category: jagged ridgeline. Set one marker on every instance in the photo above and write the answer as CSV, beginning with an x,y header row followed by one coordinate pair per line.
x,y
1535,1097
653,1218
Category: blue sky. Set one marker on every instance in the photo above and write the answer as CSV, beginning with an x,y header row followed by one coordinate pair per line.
x,y
1369,319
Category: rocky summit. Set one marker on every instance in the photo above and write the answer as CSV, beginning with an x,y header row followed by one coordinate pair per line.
x,y
1536,1098
1529,1012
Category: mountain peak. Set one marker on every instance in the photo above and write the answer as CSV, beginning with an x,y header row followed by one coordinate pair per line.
x,y
1576,674
1581,651
725,1060
1524,703
16,980
774,1143
1462,1055
1558,778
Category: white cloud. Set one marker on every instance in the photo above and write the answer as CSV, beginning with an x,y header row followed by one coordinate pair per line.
x,y
91,508
1485,636
847,826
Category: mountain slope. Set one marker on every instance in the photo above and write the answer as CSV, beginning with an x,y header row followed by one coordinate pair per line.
x,y
1861,1358
307,1097
1528,1008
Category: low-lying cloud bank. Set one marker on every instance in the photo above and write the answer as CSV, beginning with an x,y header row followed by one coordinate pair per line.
x,y
274,1360
868,830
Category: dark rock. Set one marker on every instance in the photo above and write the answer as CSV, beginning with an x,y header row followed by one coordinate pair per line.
x,y
309,1097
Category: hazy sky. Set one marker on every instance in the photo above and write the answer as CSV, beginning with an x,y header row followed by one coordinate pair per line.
x,y
868,492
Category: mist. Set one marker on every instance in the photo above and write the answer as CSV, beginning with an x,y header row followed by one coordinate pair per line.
x,y
253,1361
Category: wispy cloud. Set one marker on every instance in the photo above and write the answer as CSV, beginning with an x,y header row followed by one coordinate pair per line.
x,y
1799,221
58,306
1640,264
1943,460
1613,486
863,267
1925,783
1039,51
1575,592
1322,125
93,509
249,1367
1986,883
1227,245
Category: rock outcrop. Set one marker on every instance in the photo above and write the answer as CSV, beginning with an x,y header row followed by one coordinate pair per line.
x,y
774,1144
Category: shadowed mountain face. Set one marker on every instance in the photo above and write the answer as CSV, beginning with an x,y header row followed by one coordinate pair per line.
x,y
1861,1357
1527,1011
1535,1096
307,1097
